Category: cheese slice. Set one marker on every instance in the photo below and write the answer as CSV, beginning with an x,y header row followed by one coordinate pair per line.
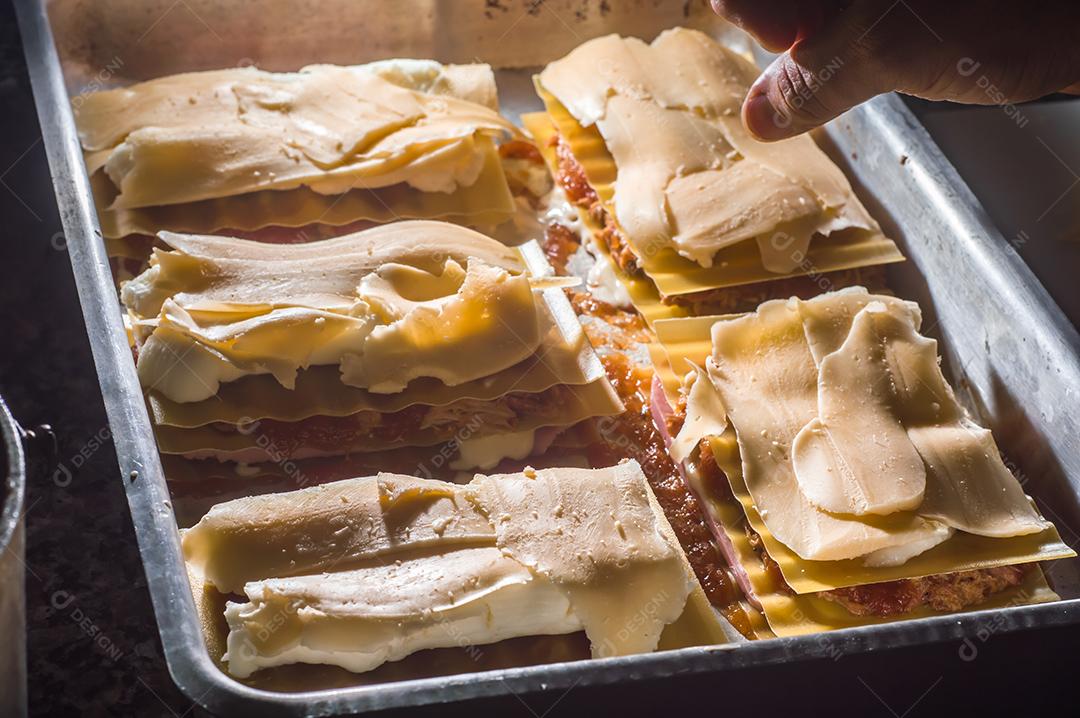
x,y
359,572
388,305
208,135
605,531
705,416
767,380
988,522
797,614
362,618
329,527
685,180
855,457
485,202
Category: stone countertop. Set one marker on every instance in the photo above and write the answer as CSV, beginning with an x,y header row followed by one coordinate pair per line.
x,y
93,642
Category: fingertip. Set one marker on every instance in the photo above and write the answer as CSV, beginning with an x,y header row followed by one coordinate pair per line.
x,y
762,119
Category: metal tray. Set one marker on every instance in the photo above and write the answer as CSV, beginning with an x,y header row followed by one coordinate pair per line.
x,y
1009,351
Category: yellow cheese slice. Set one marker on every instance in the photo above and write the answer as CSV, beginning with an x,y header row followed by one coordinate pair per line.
x,y
219,134
486,202
388,305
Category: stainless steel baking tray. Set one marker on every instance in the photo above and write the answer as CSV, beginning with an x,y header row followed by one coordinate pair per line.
x,y
1008,349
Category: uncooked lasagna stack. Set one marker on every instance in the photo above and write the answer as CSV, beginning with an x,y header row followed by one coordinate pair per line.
x,y
414,334
359,572
305,289
844,480
291,157
646,141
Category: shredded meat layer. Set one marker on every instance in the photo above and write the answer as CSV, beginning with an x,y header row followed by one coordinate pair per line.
x,y
570,175
373,428
632,434
943,592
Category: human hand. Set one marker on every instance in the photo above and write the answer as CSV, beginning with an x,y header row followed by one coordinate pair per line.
x,y
839,53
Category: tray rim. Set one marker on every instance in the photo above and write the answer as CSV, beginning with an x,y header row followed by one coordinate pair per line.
x,y
156,531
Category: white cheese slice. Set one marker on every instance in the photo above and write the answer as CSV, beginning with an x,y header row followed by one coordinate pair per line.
x,y
362,618
852,443
329,527
595,534
359,572
705,416
855,456
766,377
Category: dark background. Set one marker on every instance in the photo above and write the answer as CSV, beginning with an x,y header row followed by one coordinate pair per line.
x,y
93,643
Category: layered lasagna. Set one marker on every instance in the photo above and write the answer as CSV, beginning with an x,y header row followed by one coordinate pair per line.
x,y
320,290
647,143
293,157
840,472
359,572
415,334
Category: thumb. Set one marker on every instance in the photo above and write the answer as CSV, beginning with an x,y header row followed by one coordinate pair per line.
x,y
819,78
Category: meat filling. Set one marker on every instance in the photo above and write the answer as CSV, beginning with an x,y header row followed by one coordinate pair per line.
x,y
472,417
571,177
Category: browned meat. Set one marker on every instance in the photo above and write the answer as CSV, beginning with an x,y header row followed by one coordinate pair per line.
x,y
571,175
330,433
520,150
559,243
943,592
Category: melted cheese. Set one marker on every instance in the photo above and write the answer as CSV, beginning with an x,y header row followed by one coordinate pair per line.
x,y
690,178
540,552
485,452
486,202
389,305
198,136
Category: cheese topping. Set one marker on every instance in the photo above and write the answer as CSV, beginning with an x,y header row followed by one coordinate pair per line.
x,y
689,175
852,443
388,305
329,527
198,136
605,531
393,564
